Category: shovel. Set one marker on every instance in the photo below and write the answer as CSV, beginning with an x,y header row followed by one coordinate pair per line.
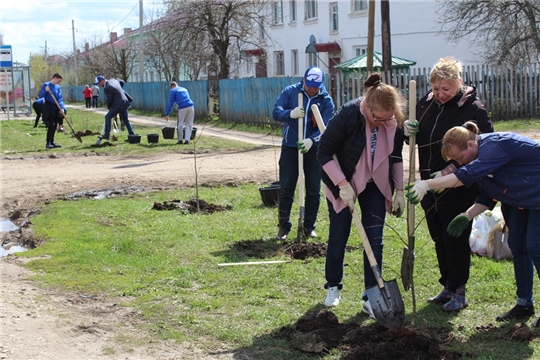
x,y
300,234
384,298
77,136
407,261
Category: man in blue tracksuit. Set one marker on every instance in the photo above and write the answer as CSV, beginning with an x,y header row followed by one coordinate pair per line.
x,y
117,103
186,111
288,111
52,113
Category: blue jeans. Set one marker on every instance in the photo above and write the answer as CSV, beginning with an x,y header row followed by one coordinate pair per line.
x,y
94,101
123,116
524,241
373,208
288,177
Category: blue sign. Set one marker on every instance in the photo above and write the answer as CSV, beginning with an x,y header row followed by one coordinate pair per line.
x,y
6,58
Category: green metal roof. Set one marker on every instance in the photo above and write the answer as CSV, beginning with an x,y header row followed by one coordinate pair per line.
x,y
359,63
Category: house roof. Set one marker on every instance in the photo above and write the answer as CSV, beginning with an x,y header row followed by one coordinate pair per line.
x,y
359,63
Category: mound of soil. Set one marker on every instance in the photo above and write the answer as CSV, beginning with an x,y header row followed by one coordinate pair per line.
x,y
320,331
190,206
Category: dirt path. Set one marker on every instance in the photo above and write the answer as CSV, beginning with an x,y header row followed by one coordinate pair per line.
x,y
39,323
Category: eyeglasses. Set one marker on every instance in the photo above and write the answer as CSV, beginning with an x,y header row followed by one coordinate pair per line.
x,y
377,119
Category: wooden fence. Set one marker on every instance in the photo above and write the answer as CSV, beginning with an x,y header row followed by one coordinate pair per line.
x,y
507,93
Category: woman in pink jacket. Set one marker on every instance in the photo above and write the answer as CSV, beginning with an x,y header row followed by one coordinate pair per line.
x,y
367,138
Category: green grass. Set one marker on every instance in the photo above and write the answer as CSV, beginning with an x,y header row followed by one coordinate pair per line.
x,y
165,265
19,137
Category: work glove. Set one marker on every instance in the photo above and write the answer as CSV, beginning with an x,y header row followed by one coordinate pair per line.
x,y
304,145
416,192
346,193
399,203
297,113
458,224
410,128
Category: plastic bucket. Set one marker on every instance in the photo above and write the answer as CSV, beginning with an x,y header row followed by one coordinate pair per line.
x,y
168,132
153,138
270,195
134,139
193,133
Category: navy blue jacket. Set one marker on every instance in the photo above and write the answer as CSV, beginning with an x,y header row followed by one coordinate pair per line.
x,y
507,169
288,100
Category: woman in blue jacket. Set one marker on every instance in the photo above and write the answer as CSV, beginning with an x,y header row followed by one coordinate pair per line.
x,y
506,166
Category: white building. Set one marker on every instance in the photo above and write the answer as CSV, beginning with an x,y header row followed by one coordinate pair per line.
x,y
340,29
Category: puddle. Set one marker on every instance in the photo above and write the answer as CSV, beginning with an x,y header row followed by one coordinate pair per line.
x,y
11,250
7,225
102,193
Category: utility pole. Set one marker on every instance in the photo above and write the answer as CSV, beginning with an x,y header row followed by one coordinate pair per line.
x,y
75,54
45,51
385,34
371,32
141,43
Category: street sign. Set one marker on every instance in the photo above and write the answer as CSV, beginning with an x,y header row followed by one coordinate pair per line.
x,y
6,58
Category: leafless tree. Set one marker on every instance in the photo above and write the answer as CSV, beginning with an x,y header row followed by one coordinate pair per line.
x,y
504,31
116,58
213,32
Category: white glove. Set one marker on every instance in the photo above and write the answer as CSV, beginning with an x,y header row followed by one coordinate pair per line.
x,y
304,145
416,192
346,193
399,203
297,113
410,128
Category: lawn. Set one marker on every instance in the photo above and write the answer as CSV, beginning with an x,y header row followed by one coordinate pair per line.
x,y
165,265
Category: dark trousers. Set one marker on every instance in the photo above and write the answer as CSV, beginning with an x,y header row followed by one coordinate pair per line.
x,y
88,101
51,116
453,253
95,101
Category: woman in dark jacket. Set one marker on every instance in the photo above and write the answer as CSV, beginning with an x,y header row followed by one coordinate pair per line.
x,y
367,138
449,104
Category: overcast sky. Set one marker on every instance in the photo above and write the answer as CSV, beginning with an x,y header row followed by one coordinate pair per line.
x,y
28,24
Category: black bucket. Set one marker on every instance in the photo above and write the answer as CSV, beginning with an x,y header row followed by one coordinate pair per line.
x,y
193,132
168,132
134,139
153,138
270,195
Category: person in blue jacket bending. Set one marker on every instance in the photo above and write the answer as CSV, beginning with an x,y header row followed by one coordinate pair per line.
x,y
506,166
288,111
185,114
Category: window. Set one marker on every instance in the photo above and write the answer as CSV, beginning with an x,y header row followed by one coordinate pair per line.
x,y
310,7
294,62
277,12
261,31
359,5
360,50
280,63
249,66
292,9
313,59
334,19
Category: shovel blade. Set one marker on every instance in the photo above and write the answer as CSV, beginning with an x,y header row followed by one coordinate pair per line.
x,y
387,304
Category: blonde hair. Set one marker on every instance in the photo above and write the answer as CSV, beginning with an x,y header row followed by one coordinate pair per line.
x,y
382,97
458,136
448,69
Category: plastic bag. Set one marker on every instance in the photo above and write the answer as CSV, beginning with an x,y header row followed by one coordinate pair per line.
x,y
481,228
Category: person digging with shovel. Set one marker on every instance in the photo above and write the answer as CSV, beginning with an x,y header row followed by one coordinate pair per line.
x,y
367,139
52,113
288,111
117,103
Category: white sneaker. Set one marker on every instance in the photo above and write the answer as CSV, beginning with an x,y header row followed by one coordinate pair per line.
x,y
332,296
368,310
